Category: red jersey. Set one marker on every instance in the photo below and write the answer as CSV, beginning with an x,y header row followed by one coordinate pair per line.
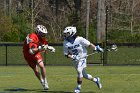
x,y
33,41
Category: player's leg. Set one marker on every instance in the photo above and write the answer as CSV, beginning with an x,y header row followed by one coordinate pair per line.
x,y
38,75
90,77
79,80
43,74
39,60
79,68
32,62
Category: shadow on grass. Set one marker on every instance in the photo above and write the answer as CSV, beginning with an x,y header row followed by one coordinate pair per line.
x,y
36,90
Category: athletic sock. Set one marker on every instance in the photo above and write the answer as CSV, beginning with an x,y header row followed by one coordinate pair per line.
x,y
42,81
94,79
79,86
45,81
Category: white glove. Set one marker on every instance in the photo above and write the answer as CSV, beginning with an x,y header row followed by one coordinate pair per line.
x,y
52,49
76,57
99,49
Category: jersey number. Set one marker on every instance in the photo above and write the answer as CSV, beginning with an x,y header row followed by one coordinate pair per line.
x,y
75,52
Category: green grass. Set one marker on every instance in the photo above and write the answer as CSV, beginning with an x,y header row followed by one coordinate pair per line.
x,y
62,79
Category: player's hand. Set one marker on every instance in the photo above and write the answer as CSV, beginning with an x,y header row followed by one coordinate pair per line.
x,y
76,57
42,47
52,49
99,49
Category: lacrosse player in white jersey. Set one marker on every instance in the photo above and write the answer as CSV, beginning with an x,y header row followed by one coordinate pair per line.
x,y
75,48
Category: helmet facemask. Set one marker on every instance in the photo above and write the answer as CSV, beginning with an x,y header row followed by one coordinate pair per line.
x,y
69,32
41,31
43,35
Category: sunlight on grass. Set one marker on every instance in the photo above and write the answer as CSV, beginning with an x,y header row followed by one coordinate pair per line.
x,y
62,79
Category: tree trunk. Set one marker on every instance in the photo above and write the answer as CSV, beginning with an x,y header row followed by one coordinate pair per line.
x,y
101,21
9,7
32,14
5,7
87,19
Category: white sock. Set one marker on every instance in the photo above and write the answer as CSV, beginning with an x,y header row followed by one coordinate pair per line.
x,y
45,81
89,76
94,79
41,80
79,86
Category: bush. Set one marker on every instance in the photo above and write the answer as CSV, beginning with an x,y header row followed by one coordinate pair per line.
x,y
120,36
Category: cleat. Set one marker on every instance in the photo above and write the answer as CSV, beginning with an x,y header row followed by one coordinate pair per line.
x,y
46,87
77,90
98,83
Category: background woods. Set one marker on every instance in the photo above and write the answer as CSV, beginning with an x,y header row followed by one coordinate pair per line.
x,y
121,19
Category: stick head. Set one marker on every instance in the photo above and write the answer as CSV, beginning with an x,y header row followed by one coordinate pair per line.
x,y
114,47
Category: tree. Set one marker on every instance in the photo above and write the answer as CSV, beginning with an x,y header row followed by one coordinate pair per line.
x,y
101,21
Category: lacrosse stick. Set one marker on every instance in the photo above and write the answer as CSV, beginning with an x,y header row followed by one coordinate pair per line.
x,y
90,54
112,48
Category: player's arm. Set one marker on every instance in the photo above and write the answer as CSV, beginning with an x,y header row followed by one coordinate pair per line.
x,y
66,52
71,56
33,49
92,46
96,48
87,43
46,47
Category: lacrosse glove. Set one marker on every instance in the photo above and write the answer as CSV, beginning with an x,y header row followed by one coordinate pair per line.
x,y
50,48
99,49
43,47
76,57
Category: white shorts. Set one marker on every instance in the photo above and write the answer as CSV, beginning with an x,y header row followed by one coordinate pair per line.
x,y
81,64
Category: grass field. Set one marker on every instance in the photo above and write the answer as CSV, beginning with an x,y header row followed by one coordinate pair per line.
x,y
62,79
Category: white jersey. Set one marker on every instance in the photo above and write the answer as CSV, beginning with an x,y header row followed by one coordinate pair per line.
x,y
76,47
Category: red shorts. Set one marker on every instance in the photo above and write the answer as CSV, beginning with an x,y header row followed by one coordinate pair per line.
x,y
32,59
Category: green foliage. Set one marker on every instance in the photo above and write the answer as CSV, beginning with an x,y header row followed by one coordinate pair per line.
x,y
14,28
22,25
11,36
74,19
134,38
122,36
7,30
92,32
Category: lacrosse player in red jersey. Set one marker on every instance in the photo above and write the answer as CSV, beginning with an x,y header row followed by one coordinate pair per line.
x,y
75,49
34,44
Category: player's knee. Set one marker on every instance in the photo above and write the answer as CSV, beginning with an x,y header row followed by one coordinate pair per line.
x,y
80,74
41,64
87,76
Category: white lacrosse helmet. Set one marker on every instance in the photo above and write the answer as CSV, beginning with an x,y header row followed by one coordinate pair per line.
x,y
41,30
69,31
